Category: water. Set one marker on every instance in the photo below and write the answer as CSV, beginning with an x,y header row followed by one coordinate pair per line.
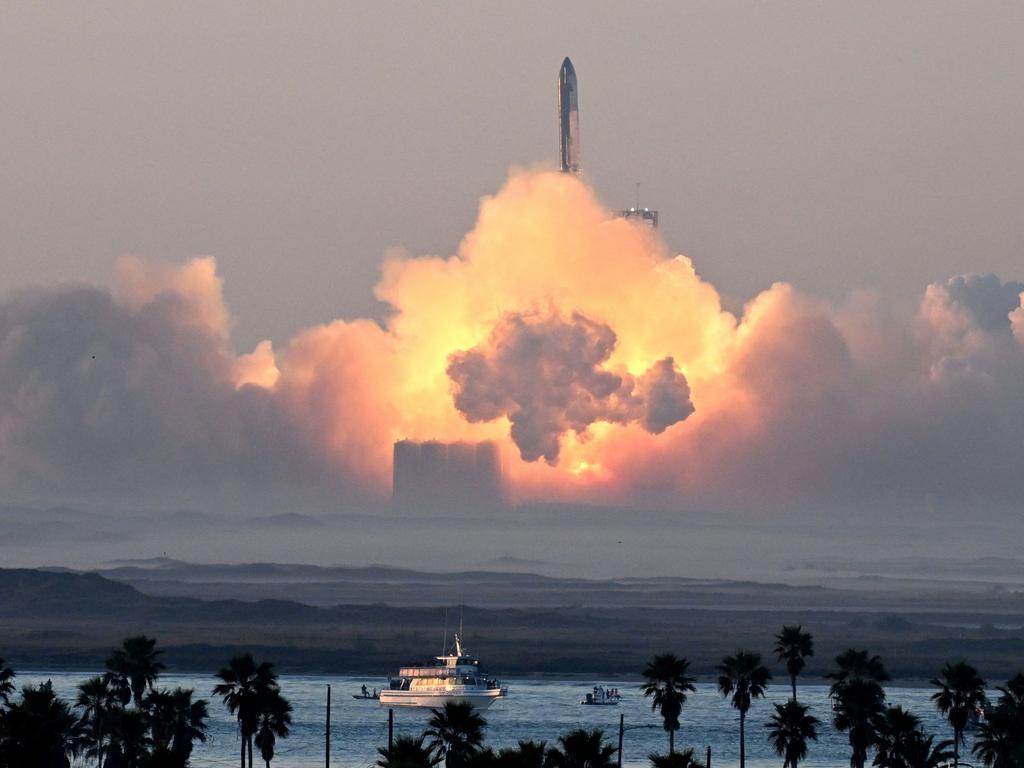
x,y
535,709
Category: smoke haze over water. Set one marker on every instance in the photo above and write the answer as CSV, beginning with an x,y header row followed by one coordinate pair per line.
x,y
604,367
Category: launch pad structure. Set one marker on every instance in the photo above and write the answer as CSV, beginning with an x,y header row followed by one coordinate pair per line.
x,y
569,138
453,477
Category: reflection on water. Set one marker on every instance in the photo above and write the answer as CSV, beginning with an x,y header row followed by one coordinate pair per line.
x,y
535,709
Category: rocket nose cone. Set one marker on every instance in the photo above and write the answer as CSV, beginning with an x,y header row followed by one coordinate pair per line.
x,y
567,67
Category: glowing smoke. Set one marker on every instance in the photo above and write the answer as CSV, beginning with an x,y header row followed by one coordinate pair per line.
x,y
545,375
558,331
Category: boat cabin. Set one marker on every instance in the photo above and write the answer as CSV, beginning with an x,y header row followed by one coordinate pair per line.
x,y
457,669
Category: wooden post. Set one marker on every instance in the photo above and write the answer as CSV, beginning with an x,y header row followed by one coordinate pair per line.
x,y
622,729
391,728
709,756
327,740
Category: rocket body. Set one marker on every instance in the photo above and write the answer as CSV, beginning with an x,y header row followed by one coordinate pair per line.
x,y
568,119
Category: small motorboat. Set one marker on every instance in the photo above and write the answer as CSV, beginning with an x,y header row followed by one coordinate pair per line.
x,y
602,697
367,695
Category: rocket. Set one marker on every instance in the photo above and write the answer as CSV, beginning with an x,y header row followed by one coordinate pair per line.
x,y
568,119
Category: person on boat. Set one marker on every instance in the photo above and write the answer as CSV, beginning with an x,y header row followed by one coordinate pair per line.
x,y
365,692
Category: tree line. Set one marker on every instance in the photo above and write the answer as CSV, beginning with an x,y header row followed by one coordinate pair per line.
x,y
893,735
120,719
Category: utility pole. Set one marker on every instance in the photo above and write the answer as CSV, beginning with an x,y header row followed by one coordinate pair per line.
x,y
327,740
622,730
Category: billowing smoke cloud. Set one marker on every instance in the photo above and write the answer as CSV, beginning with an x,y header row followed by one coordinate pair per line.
x,y
633,384
546,375
130,397
1017,320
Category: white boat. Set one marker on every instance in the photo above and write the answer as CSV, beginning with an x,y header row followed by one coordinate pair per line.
x,y
602,697
455,677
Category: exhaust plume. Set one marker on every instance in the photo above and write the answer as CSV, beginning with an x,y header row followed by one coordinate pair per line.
x,y
558,331
545,375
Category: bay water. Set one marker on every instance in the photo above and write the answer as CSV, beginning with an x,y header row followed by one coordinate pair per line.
x,y
538,709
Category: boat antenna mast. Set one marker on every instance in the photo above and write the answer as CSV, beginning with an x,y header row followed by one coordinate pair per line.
x,y
444,643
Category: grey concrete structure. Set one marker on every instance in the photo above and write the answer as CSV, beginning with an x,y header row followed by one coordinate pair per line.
x,y
434,476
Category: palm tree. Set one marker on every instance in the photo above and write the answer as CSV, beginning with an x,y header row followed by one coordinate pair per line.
x,y
135,666
159,708
857,705
793,646
896,729
999,741
97,701
668,683
117,682
527,754
855,664
789,730
176,722
922,753
1012,694
456,733
744,678
6,682
684,759
130,742
901,743
484,758
275,721
190,722
581,749
245,684
406,752
39,730
961,693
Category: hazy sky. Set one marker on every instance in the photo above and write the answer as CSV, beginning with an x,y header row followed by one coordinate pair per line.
x,y
835,145
852,170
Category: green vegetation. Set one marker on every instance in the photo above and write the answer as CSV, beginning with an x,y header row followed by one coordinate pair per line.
x,y
38,731
122,719
961,694
793,646
858,700
900,742
251,693
685,759
275,723
456,734
455,737
999,740
67,621
526,754
134,667
744,678
790,730
581,749
407,752
6,682
894,736
667,684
